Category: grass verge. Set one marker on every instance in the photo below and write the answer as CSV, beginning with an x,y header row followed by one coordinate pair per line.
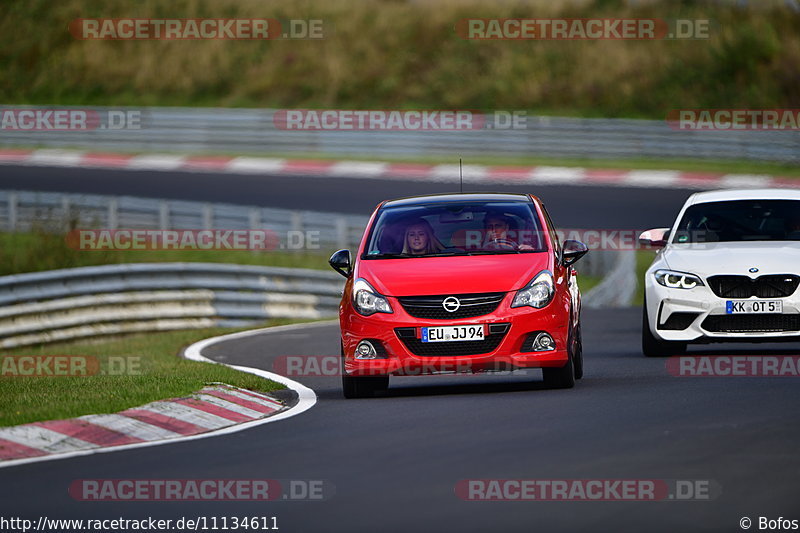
x,y
39,250
143,368
403,54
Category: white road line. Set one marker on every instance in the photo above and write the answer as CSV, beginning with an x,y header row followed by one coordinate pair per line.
x,y
557,175
358,169
59,158
448,173
255,165
156,162
652,178
744,181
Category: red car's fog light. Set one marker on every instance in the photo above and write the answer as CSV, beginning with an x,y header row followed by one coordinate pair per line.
x,y
370,349
539,341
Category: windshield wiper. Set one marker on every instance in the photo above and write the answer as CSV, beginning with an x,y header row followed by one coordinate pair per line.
x,y
444,254
494,252
388,256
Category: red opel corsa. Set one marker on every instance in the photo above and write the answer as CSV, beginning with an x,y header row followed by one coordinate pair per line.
x,y
459,283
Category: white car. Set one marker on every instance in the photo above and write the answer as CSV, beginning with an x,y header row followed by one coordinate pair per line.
x,y
728,270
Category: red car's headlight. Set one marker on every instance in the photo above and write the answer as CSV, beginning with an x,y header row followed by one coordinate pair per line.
x,y
538,293
367,301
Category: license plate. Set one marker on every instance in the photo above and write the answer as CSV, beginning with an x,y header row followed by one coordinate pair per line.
x,y
733,307
453,333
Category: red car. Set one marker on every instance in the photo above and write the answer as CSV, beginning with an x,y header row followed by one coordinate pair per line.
x,y
459,283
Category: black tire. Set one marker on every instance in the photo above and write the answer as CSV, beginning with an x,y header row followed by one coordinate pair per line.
x,y
362,387
653,347
563,377
578,353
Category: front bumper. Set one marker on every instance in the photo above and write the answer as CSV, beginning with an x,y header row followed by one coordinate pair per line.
x,y
506,355
712,322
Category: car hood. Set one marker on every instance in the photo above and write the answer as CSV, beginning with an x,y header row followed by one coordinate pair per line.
x,y
777,257
452,275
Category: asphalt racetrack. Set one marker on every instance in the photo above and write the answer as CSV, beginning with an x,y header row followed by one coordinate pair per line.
x,y
392,463
577,206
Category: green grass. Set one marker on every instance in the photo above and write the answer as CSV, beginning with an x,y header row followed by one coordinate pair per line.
x,y
39,250
391,54
150,370
587,283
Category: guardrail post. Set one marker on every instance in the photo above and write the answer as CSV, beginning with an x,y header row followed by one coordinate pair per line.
x,y
163,215
208,216
296,221
113,212
341,232
254,219
13,202
65,210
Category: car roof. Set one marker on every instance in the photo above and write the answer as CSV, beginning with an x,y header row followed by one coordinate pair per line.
x,y
744,194
457,198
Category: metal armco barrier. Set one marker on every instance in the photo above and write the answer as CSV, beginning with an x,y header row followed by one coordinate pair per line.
x,y
60,305
298,230
199,130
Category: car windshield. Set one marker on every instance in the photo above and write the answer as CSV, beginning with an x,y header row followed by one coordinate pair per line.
x,y
740,220
470,228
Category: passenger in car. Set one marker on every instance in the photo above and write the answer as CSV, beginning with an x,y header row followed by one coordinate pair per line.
x,y
420,239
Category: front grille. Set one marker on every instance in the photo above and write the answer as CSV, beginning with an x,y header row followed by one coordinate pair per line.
x,y
678,321
771,286
756,323
471,305
447,349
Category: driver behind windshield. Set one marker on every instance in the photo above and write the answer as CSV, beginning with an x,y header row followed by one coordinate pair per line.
x,y
420,239
497,229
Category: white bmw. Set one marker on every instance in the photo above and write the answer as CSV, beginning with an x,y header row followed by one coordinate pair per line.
x,y
728,270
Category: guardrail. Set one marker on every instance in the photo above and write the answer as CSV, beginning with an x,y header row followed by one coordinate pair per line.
x,y
25,210
200,130
618,286
73,303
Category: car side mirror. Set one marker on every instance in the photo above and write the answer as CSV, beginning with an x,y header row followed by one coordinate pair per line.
x,y
572,251
655,238
340,262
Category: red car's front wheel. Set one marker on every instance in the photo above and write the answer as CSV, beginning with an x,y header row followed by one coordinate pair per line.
x,y
362,387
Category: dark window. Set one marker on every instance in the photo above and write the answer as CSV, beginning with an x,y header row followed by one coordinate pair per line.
x,y
740,220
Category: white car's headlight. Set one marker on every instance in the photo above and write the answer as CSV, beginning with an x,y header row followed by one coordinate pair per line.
x,y
538,293
677,280
367,301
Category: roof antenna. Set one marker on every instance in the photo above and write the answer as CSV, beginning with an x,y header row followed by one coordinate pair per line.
x,y
460,176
